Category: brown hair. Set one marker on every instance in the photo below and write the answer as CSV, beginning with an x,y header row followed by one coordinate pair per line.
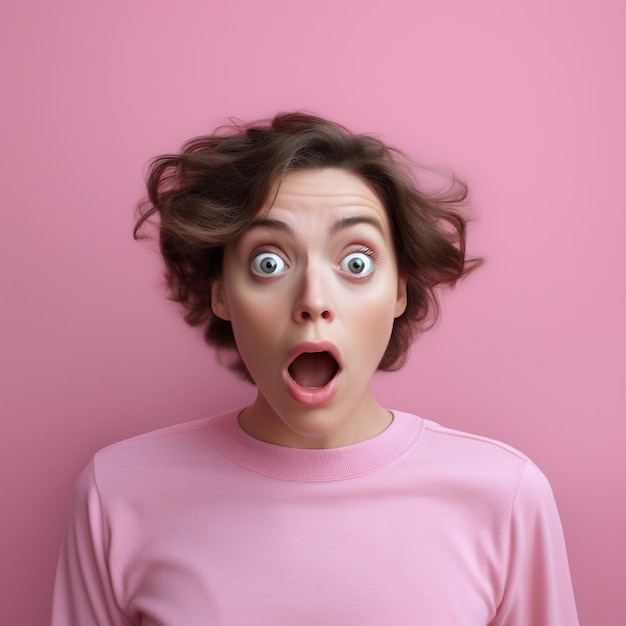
x,y
207,195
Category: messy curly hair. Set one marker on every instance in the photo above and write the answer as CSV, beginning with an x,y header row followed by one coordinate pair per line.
x,y
206,197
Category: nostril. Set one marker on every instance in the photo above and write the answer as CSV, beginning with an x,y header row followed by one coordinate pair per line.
x,y
306,314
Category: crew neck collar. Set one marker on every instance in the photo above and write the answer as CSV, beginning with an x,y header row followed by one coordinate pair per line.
x,y
311,465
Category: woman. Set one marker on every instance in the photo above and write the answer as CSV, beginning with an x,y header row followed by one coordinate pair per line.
x,y
310,258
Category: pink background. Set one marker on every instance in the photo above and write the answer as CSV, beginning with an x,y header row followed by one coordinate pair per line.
x,y
525,100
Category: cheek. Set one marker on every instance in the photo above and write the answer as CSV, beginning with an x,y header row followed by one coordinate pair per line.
x,y
254,325
375,324
253,351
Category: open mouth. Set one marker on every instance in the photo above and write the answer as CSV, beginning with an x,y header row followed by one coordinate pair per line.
x,y
313,370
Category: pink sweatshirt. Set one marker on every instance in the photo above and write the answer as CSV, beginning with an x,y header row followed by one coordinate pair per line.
x,y
201,524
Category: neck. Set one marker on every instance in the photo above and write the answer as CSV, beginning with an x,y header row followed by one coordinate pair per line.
x,y
315,428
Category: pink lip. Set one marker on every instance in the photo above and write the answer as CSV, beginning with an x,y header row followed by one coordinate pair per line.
x,y
319,395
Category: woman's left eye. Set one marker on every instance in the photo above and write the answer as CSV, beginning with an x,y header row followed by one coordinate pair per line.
x,y
357,264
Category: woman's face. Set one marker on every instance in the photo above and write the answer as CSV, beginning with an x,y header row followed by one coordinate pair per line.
x,y
311,290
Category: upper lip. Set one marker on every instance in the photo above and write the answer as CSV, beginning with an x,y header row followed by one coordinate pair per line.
x,y
313,346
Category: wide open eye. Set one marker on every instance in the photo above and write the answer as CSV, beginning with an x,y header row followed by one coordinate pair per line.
x,y
267,264
357,264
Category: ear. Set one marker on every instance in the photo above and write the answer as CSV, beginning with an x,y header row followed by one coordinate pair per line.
x,y
401,298
219,303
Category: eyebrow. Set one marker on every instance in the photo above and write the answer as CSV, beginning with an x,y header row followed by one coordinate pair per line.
x,y
341,224
347,222
266,222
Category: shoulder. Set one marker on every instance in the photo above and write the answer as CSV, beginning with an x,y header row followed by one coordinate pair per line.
x,y
470,445
473,464
161,454
472,451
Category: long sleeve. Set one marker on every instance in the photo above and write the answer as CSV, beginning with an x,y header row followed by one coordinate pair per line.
x,y
201,524
83,595
538,589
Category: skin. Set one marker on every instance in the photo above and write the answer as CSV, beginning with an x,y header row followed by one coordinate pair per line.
x,y
318,265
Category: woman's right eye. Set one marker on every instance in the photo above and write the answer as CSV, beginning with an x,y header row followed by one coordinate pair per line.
x,y
267,264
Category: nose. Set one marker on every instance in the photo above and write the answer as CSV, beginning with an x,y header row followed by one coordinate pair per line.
x,y
313,301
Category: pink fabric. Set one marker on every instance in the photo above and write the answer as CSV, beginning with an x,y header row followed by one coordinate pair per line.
x,y
201,524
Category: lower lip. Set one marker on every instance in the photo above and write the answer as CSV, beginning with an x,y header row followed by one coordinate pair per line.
x,y
312,396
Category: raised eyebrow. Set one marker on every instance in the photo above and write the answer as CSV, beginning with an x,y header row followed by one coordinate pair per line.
x,y
266,222
338,226
347,222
